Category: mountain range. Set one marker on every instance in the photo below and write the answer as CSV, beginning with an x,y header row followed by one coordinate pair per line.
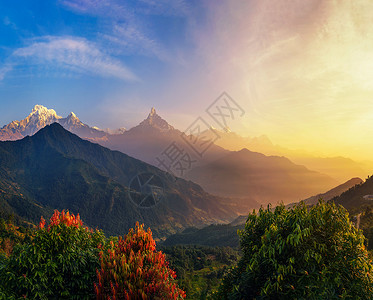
x,y
145,141
40,117
265,179
338,167
248,176
148,140
55,169
153,135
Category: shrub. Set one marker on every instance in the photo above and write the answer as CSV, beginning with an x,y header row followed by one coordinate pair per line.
x,y
132,269
301,253
59,262
9,236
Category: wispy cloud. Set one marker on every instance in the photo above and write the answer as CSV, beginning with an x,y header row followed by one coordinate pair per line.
x,y
130,40
165,7
104,8
127,26
123,9
74,54
4,70
8,22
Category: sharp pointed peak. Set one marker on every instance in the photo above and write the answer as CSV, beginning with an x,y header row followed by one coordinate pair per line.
x,y
152,113
71,120
72,115
156,121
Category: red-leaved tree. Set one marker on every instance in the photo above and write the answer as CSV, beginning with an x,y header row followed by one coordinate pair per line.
x,y
132,269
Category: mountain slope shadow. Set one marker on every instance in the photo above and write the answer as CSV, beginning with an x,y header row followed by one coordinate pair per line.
x,y
55,169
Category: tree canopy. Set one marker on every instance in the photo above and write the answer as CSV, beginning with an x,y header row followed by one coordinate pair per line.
x,y
300,253
66,260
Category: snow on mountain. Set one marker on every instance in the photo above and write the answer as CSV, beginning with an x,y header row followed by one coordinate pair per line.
x,y
40,117
154,120
120,130
71,121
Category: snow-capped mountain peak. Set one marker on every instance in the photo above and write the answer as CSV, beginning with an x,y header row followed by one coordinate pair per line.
x,y
40,117
152,112
43,112
71,119
72,115
155,121
40,112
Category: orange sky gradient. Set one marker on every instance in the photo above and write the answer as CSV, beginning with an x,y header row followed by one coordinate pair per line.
x,y
302,70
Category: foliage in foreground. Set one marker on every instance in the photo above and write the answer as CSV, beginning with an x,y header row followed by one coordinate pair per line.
x,y
60,261
302,253
66,260
132,269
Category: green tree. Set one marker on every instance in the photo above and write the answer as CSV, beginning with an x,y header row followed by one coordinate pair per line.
x,y
300,253
59,262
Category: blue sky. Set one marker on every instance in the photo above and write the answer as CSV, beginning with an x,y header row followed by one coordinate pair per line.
x,y
301,70
89,55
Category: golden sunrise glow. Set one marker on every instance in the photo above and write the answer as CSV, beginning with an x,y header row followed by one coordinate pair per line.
x,y
304,70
